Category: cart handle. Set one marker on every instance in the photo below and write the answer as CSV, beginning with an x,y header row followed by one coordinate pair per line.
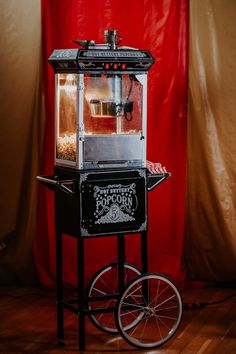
x,y
52,183
153,179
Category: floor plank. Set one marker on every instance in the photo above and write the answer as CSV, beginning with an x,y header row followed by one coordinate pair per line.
x,y
28,325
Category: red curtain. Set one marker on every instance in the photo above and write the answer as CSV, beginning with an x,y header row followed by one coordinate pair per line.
x,y
161,27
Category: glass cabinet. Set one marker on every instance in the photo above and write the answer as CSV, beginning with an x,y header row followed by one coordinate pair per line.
x,y
100,120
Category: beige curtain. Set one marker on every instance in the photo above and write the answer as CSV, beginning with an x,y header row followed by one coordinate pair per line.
x,y
210,247
21,124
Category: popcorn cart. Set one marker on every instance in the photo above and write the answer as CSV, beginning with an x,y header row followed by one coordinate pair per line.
x,y
100,186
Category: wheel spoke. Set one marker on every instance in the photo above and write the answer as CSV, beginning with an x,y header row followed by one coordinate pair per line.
x,y
163,302
134,305
167,308
110,290
164,324
166,317
99,291
158,326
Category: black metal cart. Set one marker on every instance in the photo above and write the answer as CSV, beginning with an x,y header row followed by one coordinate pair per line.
x,y
100,186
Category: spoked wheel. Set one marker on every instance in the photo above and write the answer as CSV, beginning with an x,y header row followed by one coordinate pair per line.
x,y
153,302
105,284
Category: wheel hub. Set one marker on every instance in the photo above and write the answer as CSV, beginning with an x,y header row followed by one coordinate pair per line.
x,y
149,311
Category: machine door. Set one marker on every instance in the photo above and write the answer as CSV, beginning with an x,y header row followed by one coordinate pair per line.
x,y
110,205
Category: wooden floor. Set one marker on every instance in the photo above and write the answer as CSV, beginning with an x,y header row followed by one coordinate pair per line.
x,y
28,325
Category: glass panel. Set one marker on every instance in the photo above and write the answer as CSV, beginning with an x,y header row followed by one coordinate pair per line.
x,y
112,104
66,116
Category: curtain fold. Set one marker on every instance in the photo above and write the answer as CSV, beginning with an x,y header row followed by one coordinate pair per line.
x,y
20,137
210,247
161,27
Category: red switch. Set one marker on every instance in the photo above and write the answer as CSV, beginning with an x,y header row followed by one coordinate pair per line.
x,y
107,66
123,66
115,66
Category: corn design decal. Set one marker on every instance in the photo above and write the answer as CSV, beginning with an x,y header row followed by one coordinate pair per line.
x,y
115,203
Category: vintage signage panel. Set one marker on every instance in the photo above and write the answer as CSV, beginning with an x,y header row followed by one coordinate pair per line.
x,y
113,205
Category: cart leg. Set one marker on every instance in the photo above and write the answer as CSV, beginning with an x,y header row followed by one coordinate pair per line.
x,y
59,289
121,261
144,260
144,251
81,294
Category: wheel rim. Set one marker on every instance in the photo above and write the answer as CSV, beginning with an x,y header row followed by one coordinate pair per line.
x,y
153,302
105,282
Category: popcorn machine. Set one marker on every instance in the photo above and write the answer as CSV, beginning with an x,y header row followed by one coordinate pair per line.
x,y
101,183
100,105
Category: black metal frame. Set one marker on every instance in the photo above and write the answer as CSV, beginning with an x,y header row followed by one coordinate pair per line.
x,y
68,191
81,308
